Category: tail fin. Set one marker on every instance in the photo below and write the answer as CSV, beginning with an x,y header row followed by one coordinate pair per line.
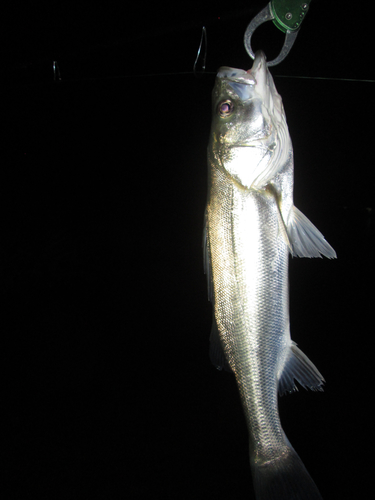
x,y
283,478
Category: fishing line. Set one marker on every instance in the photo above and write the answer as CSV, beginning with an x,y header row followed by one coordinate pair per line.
x,y
326,78
215,72
198,74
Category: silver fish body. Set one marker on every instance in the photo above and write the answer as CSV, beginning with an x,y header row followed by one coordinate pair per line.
x,y
251,227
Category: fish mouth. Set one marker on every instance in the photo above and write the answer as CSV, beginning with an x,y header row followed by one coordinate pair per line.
x,y
247,83
259,61
242,76
236,75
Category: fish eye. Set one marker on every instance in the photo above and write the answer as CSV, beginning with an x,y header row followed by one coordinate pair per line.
x,y
225,108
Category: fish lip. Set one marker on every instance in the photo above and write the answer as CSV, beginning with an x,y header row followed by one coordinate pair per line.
x,y
260,58
245,77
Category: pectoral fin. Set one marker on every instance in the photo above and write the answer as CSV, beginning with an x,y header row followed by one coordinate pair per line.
x,y
305,239
283,230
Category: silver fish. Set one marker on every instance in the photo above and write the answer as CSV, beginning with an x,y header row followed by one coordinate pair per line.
x,y
251,225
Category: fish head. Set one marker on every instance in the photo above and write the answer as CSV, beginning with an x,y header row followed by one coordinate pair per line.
x,y
249,136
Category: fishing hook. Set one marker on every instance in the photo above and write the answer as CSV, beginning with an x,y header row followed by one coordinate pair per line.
x,y
56,72
203,40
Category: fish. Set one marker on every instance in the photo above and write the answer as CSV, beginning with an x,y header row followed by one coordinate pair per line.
x,y
251,227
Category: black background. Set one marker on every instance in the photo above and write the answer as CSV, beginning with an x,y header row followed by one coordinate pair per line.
x,y
107,388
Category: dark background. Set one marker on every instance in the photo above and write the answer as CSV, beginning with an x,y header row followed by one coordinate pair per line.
x,y
107,387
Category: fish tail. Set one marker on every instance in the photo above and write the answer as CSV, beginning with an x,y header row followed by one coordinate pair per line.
x,y
283,478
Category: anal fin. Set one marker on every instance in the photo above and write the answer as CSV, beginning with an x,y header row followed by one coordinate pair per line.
x,y
299,367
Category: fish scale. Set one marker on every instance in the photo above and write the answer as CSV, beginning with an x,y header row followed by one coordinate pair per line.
x,y
251,226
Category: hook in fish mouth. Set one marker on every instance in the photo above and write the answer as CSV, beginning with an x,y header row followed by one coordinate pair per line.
x,y
244,83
